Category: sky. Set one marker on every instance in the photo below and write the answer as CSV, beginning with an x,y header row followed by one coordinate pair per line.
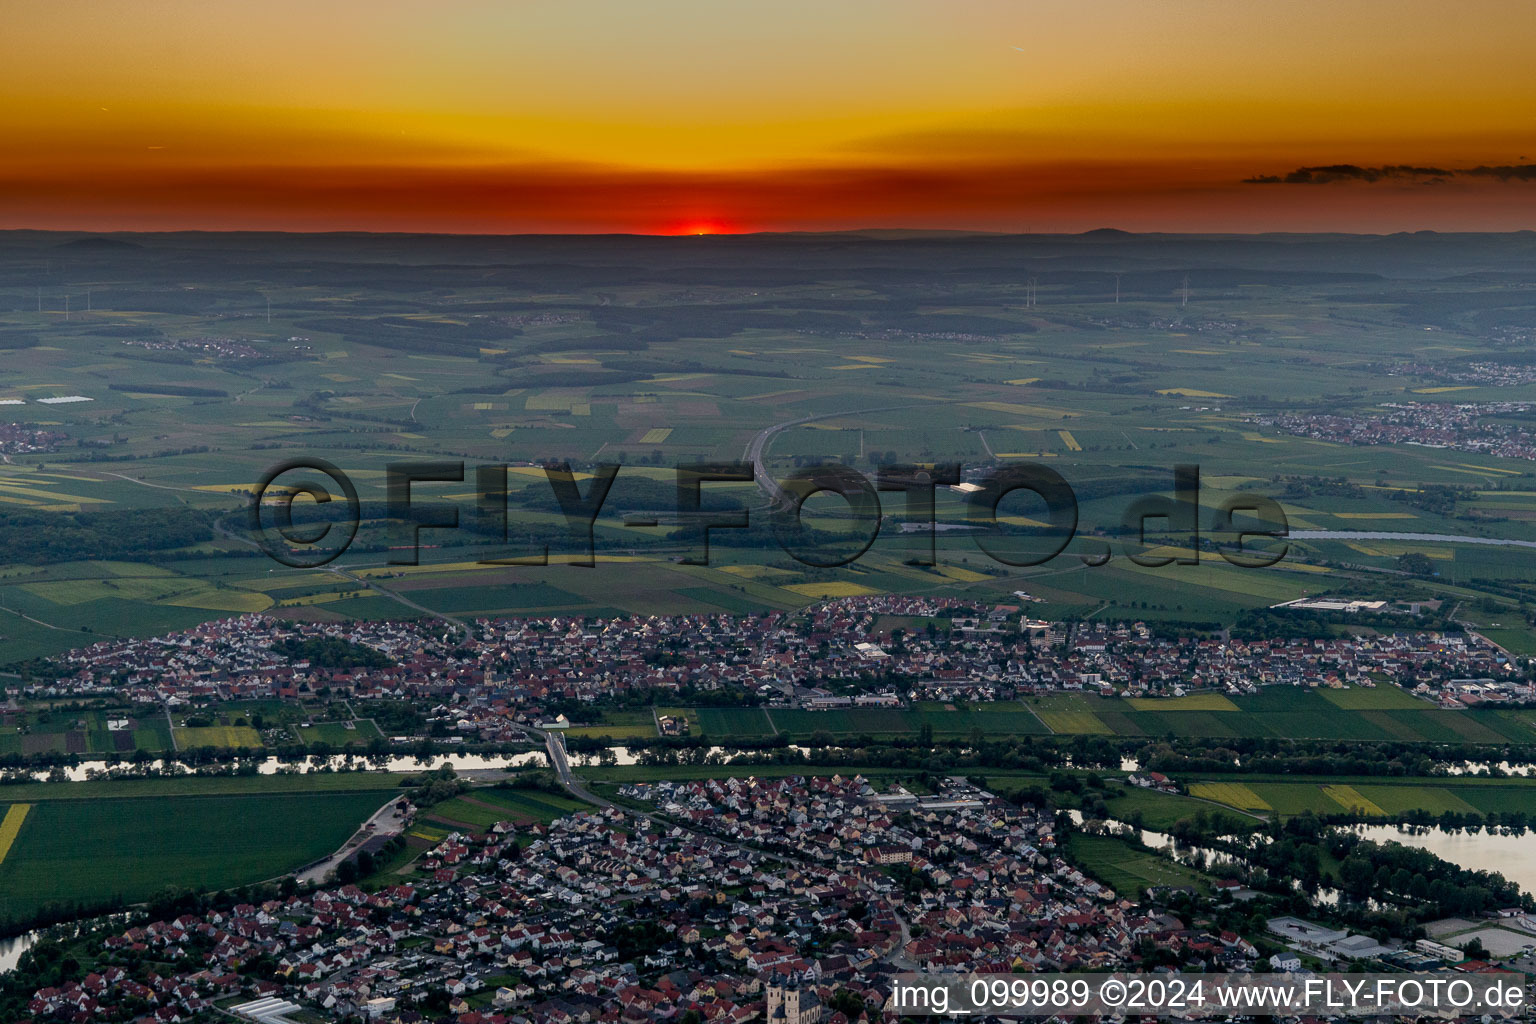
x,y
675,116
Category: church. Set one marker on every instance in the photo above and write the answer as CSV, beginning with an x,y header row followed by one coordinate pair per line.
x,y
788,1003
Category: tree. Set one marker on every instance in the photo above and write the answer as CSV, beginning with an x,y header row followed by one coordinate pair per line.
x,y
366,864
1356,874
848,1003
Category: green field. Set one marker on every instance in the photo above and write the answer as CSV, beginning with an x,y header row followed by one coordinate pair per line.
x,y
1382,714
1072,714
1372,797
1128,870
1380,698
216,736
497,350
337,734
945,721
619,725
90,850
204,785
482,808
411,357
750,723
1161,811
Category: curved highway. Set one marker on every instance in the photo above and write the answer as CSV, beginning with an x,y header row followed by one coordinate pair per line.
x,y
757,449
1440,538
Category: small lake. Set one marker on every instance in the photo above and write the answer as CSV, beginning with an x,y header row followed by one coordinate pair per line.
x,y
12,948
1513,856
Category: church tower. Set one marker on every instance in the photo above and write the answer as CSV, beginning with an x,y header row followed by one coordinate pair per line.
x,y
788,1003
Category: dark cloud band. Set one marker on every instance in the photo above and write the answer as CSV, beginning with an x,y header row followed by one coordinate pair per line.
x,y
1329,174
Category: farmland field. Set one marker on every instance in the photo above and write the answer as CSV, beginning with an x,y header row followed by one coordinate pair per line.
x,y
1072,714
747,722
337,734
946,721
1074,723
218,785
1129,871
840,722
1286,712
698,378
1193,702
217,736
93,850
1352,800
619,725
525,805
1234,794
1372,699
1395,800
1370,798
10,827
992,720
1149,808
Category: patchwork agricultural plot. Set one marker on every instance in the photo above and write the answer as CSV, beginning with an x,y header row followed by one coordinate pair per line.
x,y
338,734
1111,396
134,840
10,827
943,721
1370,798
1129,871
89,731
1381,714
124,508
479,809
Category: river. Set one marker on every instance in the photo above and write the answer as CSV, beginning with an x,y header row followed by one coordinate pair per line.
x,y
337,762
1439,538
400,763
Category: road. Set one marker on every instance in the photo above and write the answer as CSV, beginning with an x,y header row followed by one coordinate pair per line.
x,y
554,742
757,450
48,625
365,583
146,483
1442,538
386,821
368,584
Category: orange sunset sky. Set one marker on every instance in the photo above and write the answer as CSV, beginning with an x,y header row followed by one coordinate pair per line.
x,y
670,116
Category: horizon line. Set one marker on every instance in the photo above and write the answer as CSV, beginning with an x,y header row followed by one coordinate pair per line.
x,y
976,232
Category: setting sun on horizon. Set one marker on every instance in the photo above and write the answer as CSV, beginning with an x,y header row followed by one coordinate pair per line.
x,y
700,226
597,116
